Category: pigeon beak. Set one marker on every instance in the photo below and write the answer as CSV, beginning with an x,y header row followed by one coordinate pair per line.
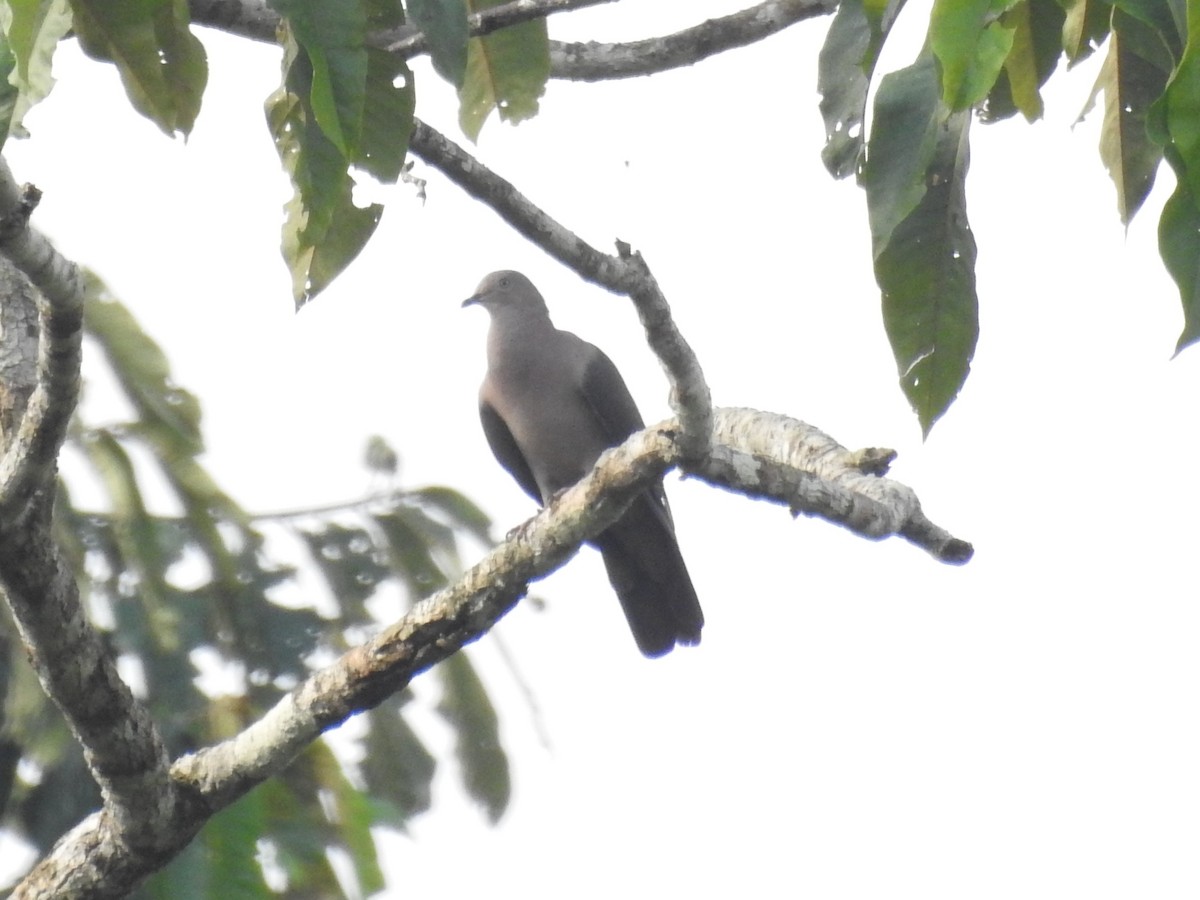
x,y
473,300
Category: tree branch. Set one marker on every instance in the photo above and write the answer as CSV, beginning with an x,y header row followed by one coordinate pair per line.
x,y
757,453
121,744
27,465
489,20
604,62
590,61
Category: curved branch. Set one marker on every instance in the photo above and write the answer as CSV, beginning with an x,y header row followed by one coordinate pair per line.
x,y
27,465
590,61
605,62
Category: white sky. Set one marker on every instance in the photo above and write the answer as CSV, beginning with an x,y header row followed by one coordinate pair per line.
x,y
860,721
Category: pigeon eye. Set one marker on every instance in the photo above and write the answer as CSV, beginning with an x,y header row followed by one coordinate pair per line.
x,y
503,282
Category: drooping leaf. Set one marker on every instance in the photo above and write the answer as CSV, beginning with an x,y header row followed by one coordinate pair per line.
x,y
1165,19
352,812
466,706
844,69
506,71
458,509
971,41
1131,85
1179,244
391,101
1084,29
904,134
397,767
333,38
323,229
924,250
1173,120
349,560
445,25
410,549
1036,48
142,369
33,29
162,64
221,861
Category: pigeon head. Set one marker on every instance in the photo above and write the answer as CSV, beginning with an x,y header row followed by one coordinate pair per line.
x,y
507,290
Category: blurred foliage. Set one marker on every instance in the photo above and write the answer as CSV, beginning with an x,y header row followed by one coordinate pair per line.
x,y
207,590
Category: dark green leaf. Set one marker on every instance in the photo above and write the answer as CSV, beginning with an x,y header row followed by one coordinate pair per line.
x,y
333,37
445,25
924,250
323,229
397,767
466,706
459,511
971,40
904,133
142,369
391,100
1161,18
349,560
506,71
1179,244
409,548
162,64
221,861
1173,118
844,70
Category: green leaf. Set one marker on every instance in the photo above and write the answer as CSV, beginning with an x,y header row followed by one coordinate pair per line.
x,y
466,706
136,534
1130,85
1037,46
1165,19
445,25
221,861
349,560
1173,119
33,29
1179,244
844,69
333,38
397,766
924,252
323,229
391,102
971,41
506,71
410,542
162,64
142,369
904,134
459,511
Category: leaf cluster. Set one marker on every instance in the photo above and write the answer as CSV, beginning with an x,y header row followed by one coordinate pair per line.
x,y
988,59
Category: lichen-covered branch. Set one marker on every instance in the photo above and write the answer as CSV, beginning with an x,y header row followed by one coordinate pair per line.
x,y
121,745
27,464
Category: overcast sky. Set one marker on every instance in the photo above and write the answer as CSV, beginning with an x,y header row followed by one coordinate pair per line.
x,y
860,721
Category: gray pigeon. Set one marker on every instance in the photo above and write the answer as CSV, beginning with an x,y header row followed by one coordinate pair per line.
x,y
551,403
